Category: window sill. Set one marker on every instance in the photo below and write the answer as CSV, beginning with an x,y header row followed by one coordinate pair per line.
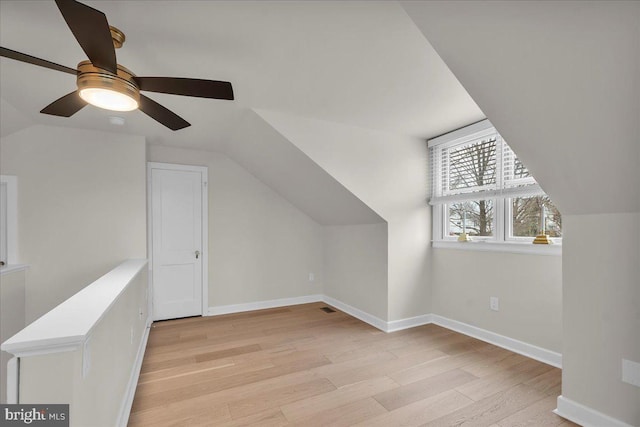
x,y
510,247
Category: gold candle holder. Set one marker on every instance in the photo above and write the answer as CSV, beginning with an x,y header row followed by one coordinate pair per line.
x,y
542,239
464,237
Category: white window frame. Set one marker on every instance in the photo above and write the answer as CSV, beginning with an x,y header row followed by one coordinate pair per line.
x,y
11,211
496,229
502,239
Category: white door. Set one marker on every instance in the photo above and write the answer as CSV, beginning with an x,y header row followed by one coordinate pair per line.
x,y
177,236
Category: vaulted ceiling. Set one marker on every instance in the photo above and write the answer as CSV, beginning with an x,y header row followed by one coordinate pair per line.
x,y
360,63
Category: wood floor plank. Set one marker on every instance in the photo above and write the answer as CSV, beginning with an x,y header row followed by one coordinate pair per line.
x,y
549,382
229,373
500,361
299,365
385,368
500,381
257,403
270,418
491,409
188,366
185,416
302,409
345,415
421,411
202,387
435,367
538,414
412,392
221,354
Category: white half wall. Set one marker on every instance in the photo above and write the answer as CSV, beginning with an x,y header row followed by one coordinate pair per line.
x,y
81,207
355,267
261,247
97,373
11,318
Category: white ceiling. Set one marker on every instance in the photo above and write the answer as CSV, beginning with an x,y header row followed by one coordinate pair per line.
x,y
358,63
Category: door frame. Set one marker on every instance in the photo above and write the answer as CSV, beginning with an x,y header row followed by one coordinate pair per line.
x,y
203,170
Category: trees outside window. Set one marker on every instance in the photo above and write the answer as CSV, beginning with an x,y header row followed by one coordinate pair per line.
x,y
475,217
526,217
479,186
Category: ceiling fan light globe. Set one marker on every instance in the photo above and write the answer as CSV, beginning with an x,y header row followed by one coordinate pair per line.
x,y
115,92
108,99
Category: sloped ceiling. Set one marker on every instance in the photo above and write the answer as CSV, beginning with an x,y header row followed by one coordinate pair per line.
x,y
560,81
385,170
285,168
357,63
360,63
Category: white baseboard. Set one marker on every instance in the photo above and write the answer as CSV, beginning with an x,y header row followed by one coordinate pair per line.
x,y
125,407
261,305
410,322
357,313
584,415
534,352
529,350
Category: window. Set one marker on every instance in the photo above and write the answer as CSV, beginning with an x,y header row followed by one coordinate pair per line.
x,y
479,187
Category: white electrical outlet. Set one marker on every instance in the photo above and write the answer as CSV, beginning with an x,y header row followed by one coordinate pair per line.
x,y
494,303
312,277
631,372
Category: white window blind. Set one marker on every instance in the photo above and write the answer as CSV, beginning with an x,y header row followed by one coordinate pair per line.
x,y
475,163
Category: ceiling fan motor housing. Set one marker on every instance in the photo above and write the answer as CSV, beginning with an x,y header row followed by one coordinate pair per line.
x,y
94,77
117,37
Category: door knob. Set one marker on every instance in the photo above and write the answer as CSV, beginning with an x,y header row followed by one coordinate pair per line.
x,y
197,254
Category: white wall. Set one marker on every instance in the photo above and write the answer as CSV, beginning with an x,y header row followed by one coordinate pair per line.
x,y
81,207
12,318
529,288
355,266
260,246
387,172
602,311
561,82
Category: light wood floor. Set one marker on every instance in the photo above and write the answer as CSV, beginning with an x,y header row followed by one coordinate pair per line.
x,y
299,365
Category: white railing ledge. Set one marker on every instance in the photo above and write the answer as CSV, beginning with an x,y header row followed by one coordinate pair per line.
x,y
11,268
69,324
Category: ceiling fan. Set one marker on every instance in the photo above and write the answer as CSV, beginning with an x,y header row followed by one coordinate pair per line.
x,y
106,84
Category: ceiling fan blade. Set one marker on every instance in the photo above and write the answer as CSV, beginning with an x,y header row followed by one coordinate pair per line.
x,y
161,114
23,57
91,29
188,87
66,106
